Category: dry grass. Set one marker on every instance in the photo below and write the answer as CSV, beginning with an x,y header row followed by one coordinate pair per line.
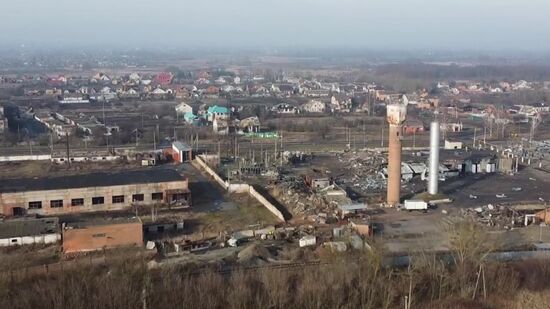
x,y
359,282
355,280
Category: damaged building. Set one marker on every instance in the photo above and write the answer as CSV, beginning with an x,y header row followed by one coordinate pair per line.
x,y
92,192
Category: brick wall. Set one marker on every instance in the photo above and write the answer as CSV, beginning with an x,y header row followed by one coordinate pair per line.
x,y
9,201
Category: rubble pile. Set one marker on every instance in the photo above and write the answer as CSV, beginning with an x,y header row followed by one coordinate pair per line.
x,y
299,199
362,172
496,216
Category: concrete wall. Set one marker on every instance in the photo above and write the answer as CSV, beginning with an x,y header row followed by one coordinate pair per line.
x,y
102,236
266,204
211,172
61,160
8,201
30,240
25,158
239,188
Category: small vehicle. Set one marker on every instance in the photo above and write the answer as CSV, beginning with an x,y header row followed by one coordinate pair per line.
x,y
517,189
473,196
501,196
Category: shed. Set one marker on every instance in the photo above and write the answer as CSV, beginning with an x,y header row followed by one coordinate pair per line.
x,y
28,231
183,152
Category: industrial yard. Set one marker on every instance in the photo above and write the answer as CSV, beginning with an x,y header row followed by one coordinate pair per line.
x,y
209,173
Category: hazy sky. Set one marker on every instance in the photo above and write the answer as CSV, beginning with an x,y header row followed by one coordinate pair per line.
x,y
397,24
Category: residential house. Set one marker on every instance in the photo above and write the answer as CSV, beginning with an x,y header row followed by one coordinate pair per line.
x,y
340,104
211,92
164,78
191,118
221,126
314,106
284,108
317,93
451,127
183,108
220,80
134,77
217,112
101,77
129,93
54,92
250,125
228,88
159,91
181,92
412,126
257,91
286,90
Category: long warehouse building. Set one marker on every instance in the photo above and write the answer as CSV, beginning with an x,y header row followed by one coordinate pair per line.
x,y
102,191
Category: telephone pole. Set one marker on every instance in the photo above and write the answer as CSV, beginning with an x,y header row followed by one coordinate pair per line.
x,y
68,149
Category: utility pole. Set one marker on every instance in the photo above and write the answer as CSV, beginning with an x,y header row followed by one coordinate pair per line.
x,y
51,144
235,153
197,141
282,141
364,137
382,139
475,132
155,140
219,158
68,150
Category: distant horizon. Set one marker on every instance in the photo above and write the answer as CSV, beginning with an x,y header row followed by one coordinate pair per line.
x,y
428,25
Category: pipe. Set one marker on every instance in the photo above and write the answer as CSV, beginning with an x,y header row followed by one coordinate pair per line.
x,y
434,158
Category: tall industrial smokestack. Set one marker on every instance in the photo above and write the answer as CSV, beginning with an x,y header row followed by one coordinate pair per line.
x,y
434,158
396,114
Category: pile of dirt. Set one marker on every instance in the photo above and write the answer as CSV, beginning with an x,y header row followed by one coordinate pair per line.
x,y
254,254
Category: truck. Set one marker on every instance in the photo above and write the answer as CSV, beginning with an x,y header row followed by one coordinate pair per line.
x,y
415,205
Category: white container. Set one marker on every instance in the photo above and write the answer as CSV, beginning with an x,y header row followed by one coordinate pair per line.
x,y
415,205
308,240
